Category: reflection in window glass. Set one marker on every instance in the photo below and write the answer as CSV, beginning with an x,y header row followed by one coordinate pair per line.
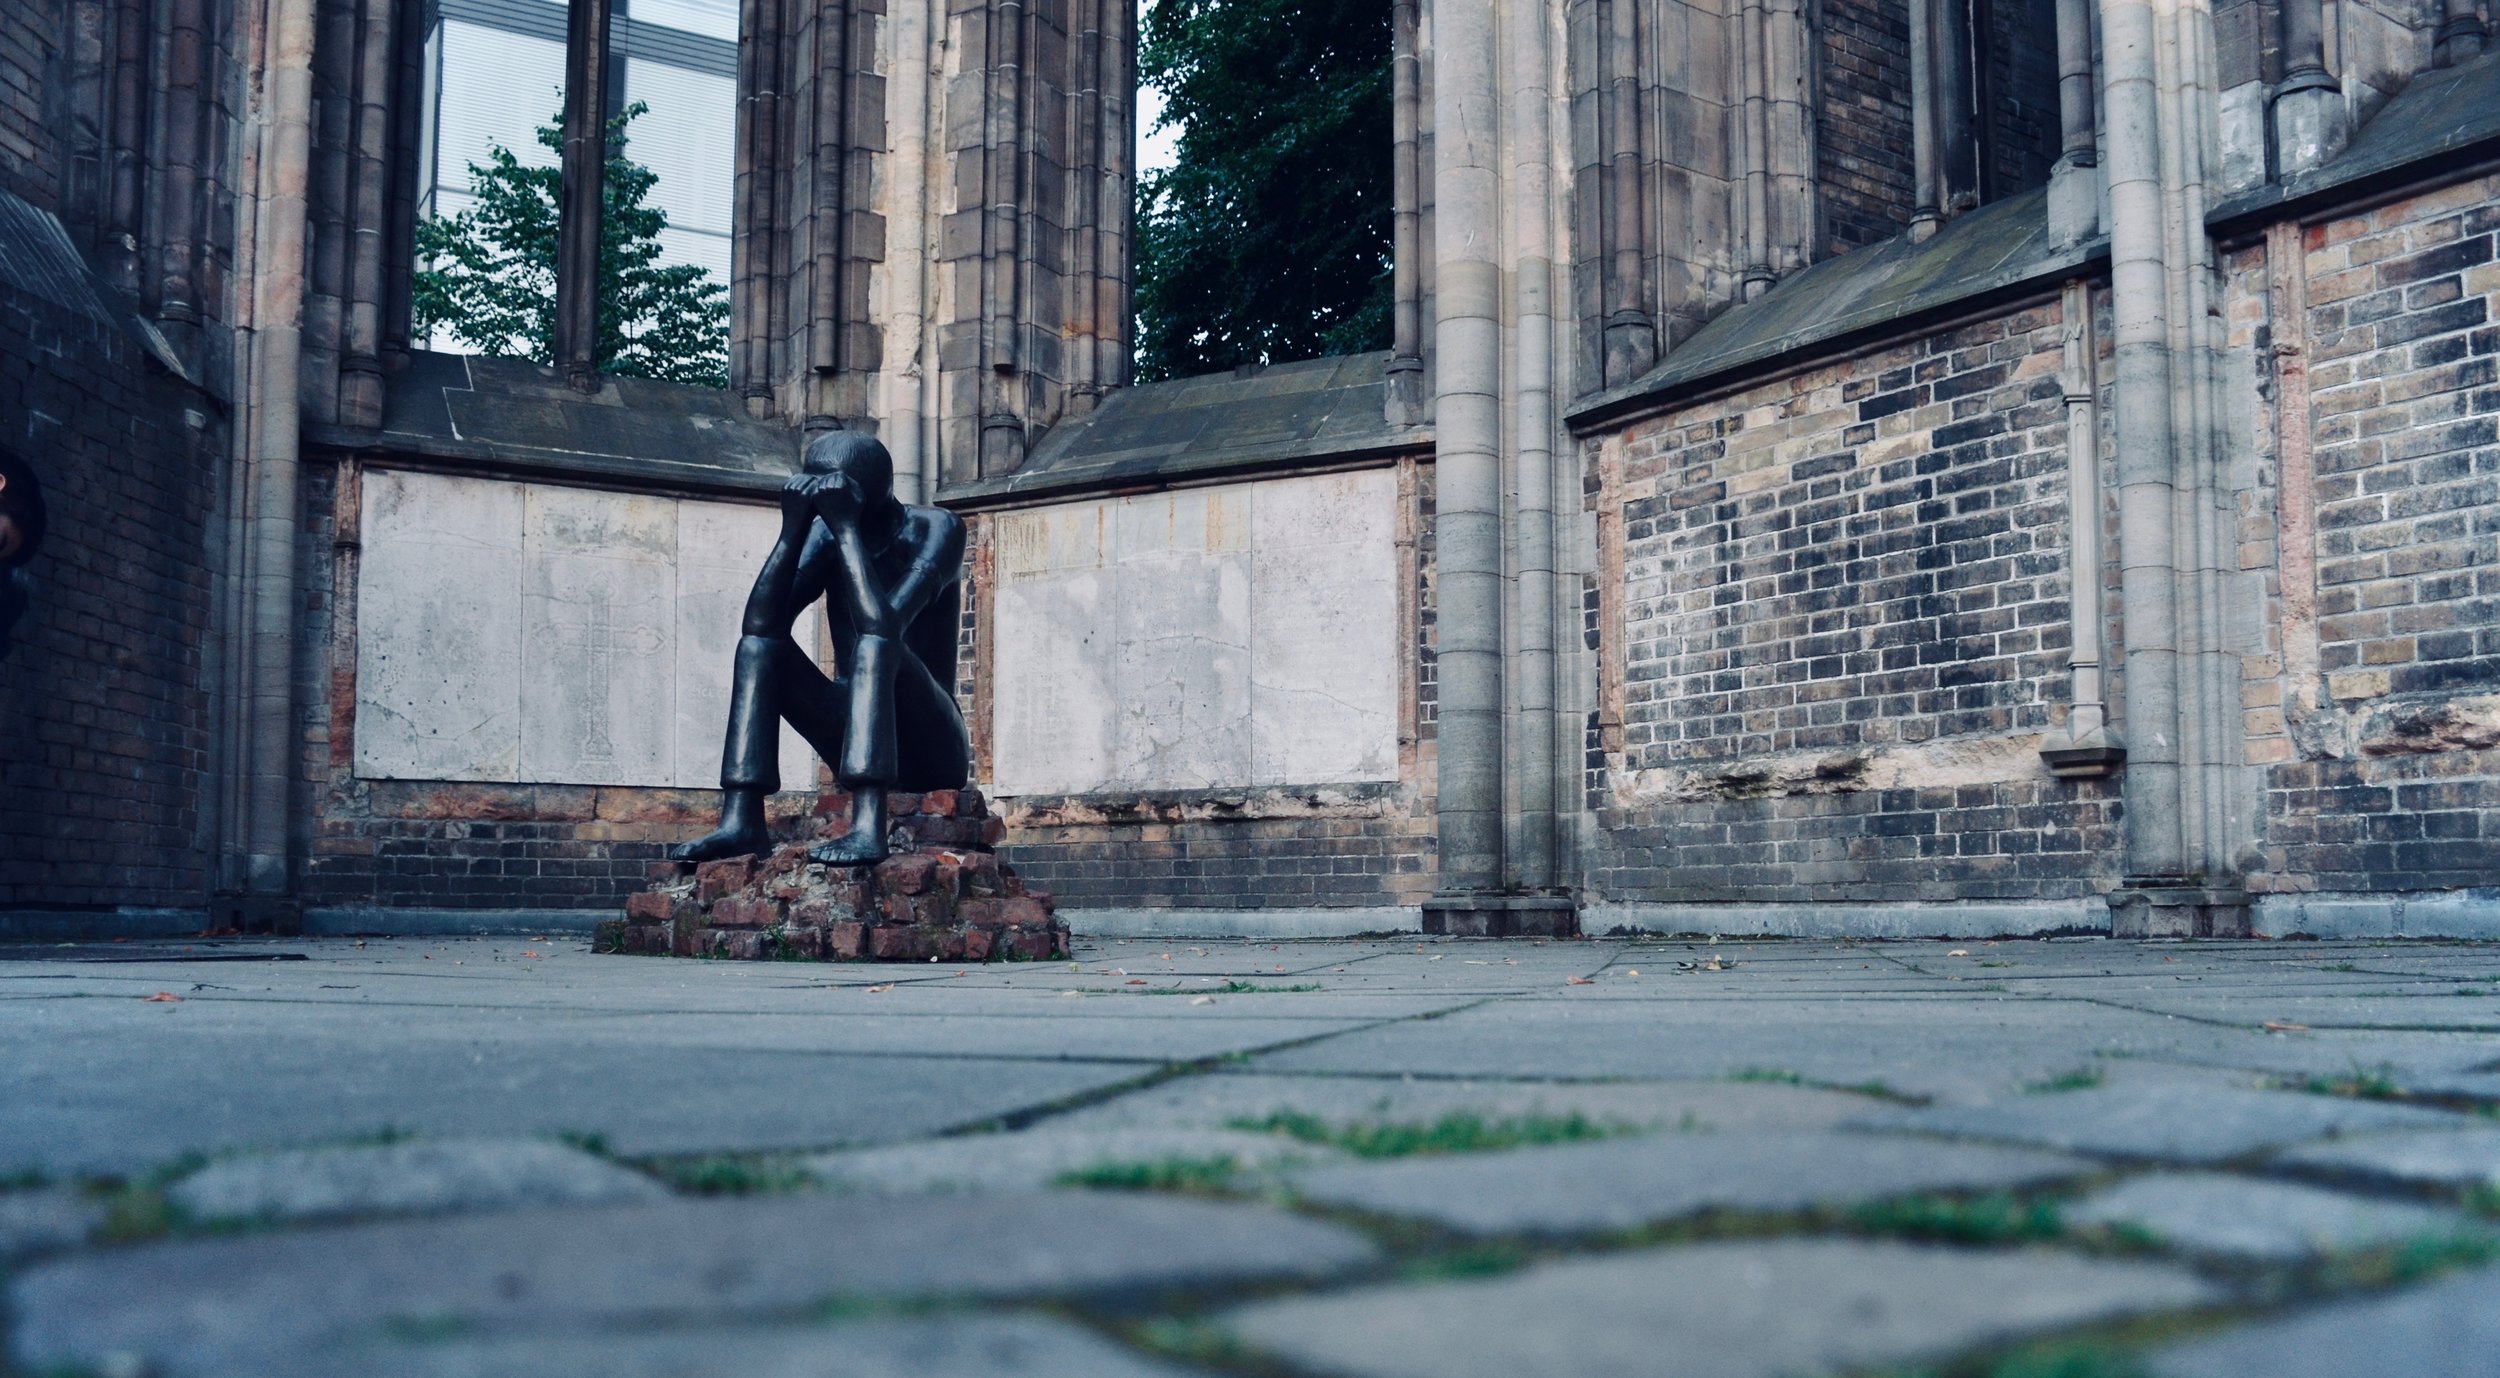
x,y
495,75
710,18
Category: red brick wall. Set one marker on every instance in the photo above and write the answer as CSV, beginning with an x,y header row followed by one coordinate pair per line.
x,y
32,36
2388,772
1843,630
104,732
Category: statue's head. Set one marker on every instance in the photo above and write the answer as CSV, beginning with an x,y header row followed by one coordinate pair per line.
x,y
862,459
21,536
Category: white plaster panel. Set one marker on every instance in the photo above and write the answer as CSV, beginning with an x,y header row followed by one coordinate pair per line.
x,y
598,637
1053,684
528,633
438,647
1212,638
719,548
1324,629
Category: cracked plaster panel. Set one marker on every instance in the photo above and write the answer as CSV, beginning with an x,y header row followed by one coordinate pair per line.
x,y
719,548
438,646
1323,627
1216,637
598,637
535,634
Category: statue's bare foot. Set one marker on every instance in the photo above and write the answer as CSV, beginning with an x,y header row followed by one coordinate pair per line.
x,y
857,847
727,840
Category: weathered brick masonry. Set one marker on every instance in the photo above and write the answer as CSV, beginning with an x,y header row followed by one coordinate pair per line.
x,y
1842,633
104,731
2387,772
1862,126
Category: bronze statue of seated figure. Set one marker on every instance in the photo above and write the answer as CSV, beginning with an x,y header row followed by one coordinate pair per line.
x,y
890,575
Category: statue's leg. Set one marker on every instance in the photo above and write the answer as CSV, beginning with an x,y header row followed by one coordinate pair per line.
x,y
750,765
935,751
866,763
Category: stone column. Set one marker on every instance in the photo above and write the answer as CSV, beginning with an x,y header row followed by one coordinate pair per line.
x,y
576,344
1405,405
280,128
1467,332
2461,34
2086,746
2183,817
2075,182
2309,116
1492,277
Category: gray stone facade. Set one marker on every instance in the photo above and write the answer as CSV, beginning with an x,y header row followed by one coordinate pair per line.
x,y
1851,467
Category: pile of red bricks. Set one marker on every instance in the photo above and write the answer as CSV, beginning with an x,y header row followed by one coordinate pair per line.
x,y
947,898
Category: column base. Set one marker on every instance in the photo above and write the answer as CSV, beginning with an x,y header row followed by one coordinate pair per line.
x,y
2153,909
2074,202
276,915
1502,916
2309,121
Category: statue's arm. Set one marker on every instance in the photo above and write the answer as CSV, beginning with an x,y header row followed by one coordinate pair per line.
x,y
936,562
774,603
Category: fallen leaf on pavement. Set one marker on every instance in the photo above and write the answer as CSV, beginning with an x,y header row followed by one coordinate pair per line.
x,y
164,997
1202,999
1135,981
880,990
1959,952
2280,1026
1580,981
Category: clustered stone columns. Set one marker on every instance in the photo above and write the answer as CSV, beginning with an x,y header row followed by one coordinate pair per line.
x,y
1497,433
2187,817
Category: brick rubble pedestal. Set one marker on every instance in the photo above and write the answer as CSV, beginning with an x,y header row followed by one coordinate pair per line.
x,y
943,895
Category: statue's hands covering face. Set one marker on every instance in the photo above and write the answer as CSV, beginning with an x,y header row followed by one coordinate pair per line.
x,y
838,498
798,502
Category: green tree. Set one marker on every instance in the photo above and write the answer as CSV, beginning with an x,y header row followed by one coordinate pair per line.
x,y
490,271
1269,237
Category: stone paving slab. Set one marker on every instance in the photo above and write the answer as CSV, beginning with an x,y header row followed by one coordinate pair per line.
x,y
1962,1049
1224,1098
1621,1184
2262,1221
116,1087
44,1219
226,1306
2446,1329
407,1179
949,1346
2184,1124
1033,1159
1729,1310
2458,1159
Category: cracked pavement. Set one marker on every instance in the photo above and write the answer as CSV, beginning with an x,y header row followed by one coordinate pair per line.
x,y
1386,1157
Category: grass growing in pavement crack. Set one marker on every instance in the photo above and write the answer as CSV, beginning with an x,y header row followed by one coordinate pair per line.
x,y
1228,988
2372,1085
1995,1218
2081,1079
730,1174
1159,1174
1778,1076
1453,1133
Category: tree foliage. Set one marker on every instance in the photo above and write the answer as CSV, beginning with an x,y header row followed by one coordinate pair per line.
x,y
1269,238
490,271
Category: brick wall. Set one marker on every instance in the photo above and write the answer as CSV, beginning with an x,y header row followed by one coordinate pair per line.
x,y
1862,130
32,36
2019,88
104,733
1843,632
2393,781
